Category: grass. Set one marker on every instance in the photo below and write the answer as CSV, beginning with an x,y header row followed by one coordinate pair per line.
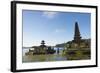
x,y
78,55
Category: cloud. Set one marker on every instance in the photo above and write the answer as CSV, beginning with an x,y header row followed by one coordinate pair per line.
x,y
49,14
59,30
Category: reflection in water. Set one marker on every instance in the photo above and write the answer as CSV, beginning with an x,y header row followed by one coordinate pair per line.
x,y
57,56
47,57
41,58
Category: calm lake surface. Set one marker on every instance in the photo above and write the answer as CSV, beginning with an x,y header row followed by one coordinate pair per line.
x,y
43,58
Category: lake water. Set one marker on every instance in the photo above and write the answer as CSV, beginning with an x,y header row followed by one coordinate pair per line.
x,y
43,58
27,49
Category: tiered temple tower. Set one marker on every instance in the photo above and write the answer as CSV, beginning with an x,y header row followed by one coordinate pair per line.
x,y
42,44
77,37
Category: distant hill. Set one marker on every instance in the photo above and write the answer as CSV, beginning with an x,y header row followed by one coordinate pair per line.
x,y
60,45
26,47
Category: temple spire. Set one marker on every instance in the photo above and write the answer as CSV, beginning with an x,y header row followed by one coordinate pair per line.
x,y
42,44
77,36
